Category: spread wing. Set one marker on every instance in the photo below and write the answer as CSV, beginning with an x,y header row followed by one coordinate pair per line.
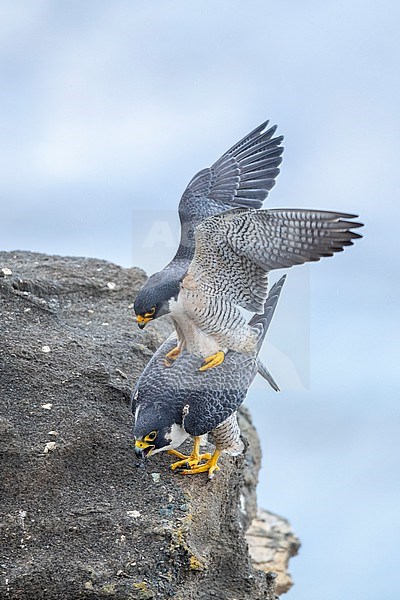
x,y
243,176
234,251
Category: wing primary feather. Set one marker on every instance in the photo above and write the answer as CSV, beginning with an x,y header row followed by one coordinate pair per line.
x,y
248,137
251,184
257,147
246,202
268,173
249,164
257,194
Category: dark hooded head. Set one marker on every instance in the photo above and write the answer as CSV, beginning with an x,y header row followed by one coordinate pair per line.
x,y
158,427
153,299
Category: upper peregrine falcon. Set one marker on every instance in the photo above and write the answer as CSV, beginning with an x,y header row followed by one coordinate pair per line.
x,y
243,176
234,252
171,404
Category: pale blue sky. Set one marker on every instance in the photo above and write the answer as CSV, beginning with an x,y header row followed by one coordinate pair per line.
x,y
109,108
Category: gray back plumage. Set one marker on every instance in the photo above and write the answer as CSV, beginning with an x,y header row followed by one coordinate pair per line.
x,y
212,396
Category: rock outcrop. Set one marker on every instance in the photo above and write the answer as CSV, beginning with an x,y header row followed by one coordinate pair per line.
x,y
271,544
79,518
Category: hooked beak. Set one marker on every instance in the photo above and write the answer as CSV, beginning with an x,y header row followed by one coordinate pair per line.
x,y
141,321
143,449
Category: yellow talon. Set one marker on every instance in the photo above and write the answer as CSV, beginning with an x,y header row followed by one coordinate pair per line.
x,y
213,361
176,453
209,467
171,356
192,460
174,353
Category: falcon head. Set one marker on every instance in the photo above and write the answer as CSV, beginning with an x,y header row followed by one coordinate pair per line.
x,y
153,442
156,431
166,438
153,299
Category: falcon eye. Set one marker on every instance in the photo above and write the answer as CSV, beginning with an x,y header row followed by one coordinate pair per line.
x,y
151,437
151,312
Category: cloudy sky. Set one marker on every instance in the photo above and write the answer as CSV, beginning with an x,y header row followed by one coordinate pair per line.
x,y
107,109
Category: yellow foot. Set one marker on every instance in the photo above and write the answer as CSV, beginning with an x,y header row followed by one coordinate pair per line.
x,y
176,453
174,353
171,356
192,460
213,361
209,467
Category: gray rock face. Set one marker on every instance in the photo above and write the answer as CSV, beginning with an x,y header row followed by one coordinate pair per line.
x,y
272,543
79,518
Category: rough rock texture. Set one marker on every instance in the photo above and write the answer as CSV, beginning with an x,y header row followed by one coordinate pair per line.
x,y
271,544
79,519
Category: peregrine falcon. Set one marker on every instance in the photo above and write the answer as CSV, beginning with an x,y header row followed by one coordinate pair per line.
x,y
243,176
172,404
234,252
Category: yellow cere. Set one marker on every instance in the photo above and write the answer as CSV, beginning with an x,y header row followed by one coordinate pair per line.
x,y
144,319
141,444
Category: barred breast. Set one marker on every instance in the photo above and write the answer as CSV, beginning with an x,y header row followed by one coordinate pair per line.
x,y
210,323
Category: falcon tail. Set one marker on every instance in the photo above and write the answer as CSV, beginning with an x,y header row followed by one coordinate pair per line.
x,y
262,322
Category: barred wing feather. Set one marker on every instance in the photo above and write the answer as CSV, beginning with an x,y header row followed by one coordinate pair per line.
x,y
235,250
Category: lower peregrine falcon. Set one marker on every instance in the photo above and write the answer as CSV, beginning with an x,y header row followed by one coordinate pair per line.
x,y
172,404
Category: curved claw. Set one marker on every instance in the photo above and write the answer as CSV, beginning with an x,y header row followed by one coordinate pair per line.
x,y
213,361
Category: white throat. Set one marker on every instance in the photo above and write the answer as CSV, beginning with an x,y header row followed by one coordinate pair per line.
x,y
177,436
